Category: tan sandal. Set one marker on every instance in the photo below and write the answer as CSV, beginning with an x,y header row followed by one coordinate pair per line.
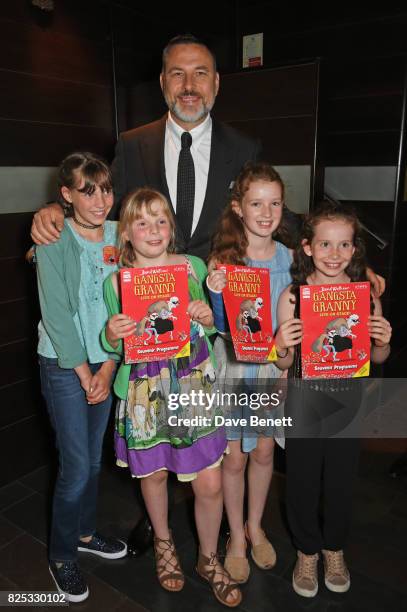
x,y
210,567
263,554
237,567
170,569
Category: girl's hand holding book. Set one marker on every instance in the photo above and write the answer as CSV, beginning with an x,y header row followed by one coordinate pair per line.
x,y
289,334
119,326
216,280
380,330
201,313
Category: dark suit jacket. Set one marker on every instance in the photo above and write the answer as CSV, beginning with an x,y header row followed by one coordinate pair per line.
x,y
139,162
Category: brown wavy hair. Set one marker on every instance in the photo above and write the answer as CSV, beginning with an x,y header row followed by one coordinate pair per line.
x,y
229,244
131,210
303,265
82,164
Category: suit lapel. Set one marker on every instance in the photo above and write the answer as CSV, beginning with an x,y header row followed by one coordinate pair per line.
x,y
152,152
219,162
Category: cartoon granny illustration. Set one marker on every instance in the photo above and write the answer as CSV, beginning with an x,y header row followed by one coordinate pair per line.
x,y
336,338
158,320
248,319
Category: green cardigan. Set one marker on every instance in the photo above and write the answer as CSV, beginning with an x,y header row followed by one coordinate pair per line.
x,y
59,274
196,291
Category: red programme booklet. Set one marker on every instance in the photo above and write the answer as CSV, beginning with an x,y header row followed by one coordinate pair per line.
x,y
157,299
248,308
336,342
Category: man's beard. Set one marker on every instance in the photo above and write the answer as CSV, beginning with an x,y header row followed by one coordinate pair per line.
x,y
189,117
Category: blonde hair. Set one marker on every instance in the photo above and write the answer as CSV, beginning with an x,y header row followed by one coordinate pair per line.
x,y
131,210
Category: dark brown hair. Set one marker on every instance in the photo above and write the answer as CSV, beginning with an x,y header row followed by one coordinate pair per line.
x,y
230,242
303,265
185,39
92,168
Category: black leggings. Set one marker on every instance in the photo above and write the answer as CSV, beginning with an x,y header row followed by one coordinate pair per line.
x,y
315,466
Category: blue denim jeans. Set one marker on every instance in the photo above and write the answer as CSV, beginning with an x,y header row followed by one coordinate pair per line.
x,y
79,431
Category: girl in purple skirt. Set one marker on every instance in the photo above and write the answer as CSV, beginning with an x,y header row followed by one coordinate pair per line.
x,y
146,438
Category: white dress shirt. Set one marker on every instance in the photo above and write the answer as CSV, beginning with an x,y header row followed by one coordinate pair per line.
x,y
200,151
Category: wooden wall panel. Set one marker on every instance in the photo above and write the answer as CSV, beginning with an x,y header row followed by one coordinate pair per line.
x,y
380,112
15,236
281,92
45,100
26,48
20,279
41,144
24,446
277,106
21,400
285,141
361,111
18,319
373,148
16,361
56,97
70,16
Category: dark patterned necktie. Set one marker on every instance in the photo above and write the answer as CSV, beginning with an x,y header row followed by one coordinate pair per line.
x,y
185,186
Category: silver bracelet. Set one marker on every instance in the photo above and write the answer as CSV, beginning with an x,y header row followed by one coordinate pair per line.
x,y
282,356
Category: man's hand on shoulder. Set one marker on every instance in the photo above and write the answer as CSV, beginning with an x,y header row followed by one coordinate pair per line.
x,y
47,224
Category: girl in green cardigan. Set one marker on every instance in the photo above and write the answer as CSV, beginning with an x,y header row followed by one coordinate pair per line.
x,y
76,372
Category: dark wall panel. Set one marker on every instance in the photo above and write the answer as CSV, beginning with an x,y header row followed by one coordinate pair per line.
x,y
15,236
27,48
285,141
70,17
38,144
18,319
361,110
20,279
281,92
380,112
56,71
24,446
46,100
16,361
362,148
20,401
276,106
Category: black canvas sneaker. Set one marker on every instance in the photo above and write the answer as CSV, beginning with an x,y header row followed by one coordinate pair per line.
x,y
108,548
69,581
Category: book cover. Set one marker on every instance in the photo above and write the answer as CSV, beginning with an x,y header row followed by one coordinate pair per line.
x,y
248,308
157,299
336,341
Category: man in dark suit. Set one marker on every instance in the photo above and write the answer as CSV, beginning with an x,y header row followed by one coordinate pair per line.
x,y
149,155
140,161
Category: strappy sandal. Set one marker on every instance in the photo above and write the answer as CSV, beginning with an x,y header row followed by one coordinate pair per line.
x,y
210,567
170,569
263,554
237,567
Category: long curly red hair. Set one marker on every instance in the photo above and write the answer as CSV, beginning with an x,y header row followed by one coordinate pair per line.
x,y
229,244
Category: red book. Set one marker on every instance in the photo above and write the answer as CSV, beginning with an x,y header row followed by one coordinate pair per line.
x,y
157,299
336,342
248,308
